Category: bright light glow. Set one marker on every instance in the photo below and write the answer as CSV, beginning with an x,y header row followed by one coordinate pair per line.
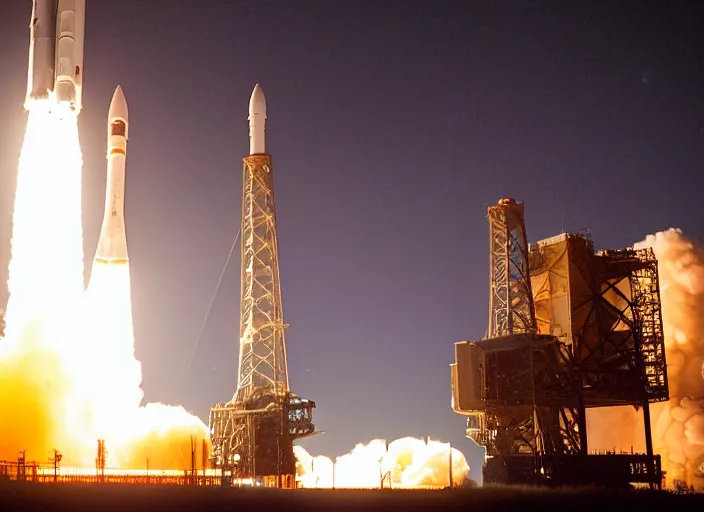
x,y
68,374
81,471
408,463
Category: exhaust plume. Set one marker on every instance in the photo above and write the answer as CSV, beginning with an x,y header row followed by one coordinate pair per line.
x,y
45,282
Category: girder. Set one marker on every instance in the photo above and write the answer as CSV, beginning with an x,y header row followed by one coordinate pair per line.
x,y
252,434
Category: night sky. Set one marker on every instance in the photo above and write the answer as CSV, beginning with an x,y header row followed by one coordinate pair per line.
x,y
392,126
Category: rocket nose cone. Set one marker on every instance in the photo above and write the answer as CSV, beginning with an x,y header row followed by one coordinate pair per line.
x,y
118,106
257,102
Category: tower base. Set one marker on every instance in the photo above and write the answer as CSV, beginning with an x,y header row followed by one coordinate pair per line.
x,y
253,439
614,470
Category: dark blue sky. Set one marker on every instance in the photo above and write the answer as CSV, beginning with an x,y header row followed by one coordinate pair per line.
x,y
392,126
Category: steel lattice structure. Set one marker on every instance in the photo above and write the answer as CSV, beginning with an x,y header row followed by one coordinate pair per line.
x,y
252,435
510,299
605,306
262,361
568,329
648,330
526,398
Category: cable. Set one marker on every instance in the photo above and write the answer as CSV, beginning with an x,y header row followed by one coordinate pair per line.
x,y
210,306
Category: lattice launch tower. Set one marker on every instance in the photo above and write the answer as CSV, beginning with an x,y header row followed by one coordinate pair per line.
x,y
252,435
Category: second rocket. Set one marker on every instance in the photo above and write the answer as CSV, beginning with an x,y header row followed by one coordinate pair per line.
x,y
112,244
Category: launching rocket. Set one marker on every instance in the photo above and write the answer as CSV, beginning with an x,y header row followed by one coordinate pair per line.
x,y
257,122
56,44
112,244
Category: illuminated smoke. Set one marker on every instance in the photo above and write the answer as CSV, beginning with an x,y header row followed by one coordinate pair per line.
x,y
68,374
677,425
408,463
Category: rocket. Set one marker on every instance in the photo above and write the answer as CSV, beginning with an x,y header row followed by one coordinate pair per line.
x,y
112,244
56,45
257,122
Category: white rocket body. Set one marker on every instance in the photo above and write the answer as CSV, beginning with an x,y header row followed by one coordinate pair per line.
x,y
56,46
112,244
257,122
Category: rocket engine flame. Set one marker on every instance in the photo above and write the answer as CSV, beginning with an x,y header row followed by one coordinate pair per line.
x,y
45,283
408,463
678,425
47,252
68,374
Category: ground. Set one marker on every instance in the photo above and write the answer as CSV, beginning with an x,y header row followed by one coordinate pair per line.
x,y
92,497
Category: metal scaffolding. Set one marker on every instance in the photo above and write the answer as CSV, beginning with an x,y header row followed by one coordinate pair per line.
x,y
568,329
525,396
605,306
252,434
510,298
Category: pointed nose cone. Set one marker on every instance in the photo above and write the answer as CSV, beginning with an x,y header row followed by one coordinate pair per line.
x,y
257,103
118,106
257,122
118,118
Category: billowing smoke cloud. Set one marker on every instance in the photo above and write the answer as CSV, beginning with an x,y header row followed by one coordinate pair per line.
x,y
678,425
408,463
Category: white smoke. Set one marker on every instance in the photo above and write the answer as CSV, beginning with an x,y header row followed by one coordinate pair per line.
x,y
679,427
406,463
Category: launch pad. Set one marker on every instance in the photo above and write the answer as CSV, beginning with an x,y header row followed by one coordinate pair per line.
x,y
569,329
24,470
254,438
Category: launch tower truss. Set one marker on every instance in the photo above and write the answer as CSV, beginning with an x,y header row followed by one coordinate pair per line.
x,y
252,434
510,299
568,329
262,344
518,388
605,306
